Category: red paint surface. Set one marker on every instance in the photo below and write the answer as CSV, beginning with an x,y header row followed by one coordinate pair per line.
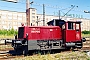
x,y
43,33
70,36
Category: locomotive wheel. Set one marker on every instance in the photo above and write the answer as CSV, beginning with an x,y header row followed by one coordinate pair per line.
x,y
72,48
68,48
25,51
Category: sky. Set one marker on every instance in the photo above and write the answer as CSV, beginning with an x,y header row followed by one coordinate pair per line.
x,y
52,7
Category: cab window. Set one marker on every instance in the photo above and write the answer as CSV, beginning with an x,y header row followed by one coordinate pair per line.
x,y
71,26
77,26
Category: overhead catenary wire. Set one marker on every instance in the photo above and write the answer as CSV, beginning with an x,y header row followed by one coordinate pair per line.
x,y
46,6
50,6
12,7
58,8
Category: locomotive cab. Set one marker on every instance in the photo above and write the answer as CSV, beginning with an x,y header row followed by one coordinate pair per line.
x,y
73,29
71,32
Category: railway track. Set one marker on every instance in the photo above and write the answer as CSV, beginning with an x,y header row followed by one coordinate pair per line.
x,y
6,56
86,45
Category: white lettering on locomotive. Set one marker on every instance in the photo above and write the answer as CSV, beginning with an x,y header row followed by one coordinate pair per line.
x,y
35,30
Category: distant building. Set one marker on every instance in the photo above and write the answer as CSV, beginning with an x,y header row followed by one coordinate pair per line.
x,y
33,16
11,19
14,19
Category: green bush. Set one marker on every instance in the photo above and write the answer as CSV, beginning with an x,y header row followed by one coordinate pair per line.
x,y
85,32
8,32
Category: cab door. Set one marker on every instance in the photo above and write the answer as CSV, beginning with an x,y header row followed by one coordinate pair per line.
x,y
70,32
78,31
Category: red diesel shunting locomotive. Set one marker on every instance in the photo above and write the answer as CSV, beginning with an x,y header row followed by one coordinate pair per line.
x,y
59,34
